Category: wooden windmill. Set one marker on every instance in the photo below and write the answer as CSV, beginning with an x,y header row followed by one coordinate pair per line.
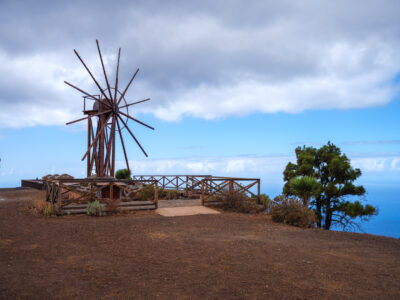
x,y
108,111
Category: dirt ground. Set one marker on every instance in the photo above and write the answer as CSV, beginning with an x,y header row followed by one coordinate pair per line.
x,y
148,256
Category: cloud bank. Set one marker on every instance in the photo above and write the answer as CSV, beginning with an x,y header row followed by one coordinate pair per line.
x,y
202,59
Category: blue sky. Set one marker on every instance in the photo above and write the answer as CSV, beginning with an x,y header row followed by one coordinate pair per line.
x,y
235,87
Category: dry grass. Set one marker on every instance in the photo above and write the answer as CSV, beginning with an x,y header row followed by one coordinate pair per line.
x,y
39,205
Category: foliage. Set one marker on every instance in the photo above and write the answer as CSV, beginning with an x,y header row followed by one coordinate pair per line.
x,y
239,202
292,211
95,208
304,187
112,204
171,194
123,174
266,201
335,176
147,192
48,210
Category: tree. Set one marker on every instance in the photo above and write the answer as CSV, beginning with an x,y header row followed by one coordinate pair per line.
x,y
123,174
335,177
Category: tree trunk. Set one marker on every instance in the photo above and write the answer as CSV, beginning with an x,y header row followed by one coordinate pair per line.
x,y
328,217
319,211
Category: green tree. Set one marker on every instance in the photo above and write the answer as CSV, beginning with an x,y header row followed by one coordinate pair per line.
x,y
305,187
336,177
123,174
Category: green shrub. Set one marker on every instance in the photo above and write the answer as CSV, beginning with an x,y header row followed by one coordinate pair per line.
x,y
146,193
48,210
162,193
123,174
239,202
290,210
95,208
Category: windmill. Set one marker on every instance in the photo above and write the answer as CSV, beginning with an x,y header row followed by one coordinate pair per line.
x,y
108,111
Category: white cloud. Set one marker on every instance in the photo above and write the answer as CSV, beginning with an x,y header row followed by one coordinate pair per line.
x,y
207,60
377,164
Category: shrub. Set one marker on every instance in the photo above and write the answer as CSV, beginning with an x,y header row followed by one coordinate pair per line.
x,y
112,205
290,210
171,194
162,193
146,193
39,205
239,202
95,208
48,210
123,174
266,201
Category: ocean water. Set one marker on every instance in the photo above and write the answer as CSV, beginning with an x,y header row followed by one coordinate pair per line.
x,y
387,222
385,198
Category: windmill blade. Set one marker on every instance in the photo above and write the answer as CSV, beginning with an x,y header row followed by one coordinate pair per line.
x,y
90,116
133,119
87,94
91,75
116,78
127,87
123,144
104,69
97,136
137,102
137,142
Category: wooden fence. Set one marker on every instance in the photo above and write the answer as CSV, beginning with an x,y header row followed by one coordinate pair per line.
x,y
213,187
73,195
187,183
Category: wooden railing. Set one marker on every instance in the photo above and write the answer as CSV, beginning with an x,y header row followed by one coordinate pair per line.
x,y
66,192
187,183
214,186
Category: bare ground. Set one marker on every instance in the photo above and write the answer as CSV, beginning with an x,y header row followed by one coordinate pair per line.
x,y
225,256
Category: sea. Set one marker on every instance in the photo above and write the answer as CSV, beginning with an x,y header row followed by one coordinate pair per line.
x,y
385,198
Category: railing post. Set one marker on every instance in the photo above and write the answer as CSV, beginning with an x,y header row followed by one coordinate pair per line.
x,y
231,186
111,192
187,186
258,191
59,198
202,191
156,193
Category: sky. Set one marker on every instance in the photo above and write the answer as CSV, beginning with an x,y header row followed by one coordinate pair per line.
x,y
235,86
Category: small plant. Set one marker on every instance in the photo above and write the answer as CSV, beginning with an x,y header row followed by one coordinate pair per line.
x,y
48,210
112,204
123,174
290,210
95,208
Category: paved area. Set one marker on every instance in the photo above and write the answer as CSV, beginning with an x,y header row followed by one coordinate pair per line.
x,y
179,203
185,211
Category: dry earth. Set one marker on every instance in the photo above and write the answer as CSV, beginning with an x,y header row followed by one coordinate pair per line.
x,y
148,256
